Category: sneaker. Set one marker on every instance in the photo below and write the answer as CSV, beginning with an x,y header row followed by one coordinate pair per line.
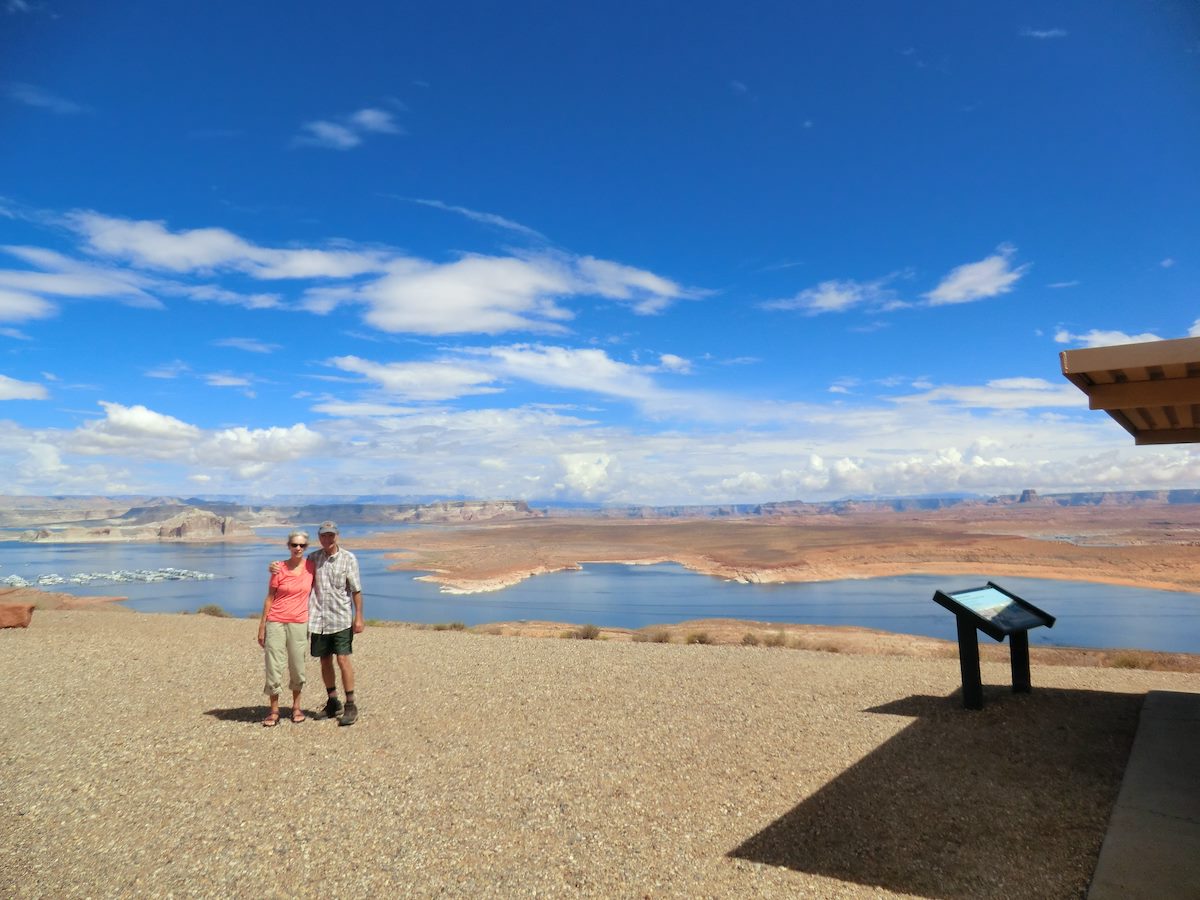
x,y
333,706
350,716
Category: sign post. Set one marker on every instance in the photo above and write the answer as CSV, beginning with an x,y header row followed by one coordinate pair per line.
x,y
998,614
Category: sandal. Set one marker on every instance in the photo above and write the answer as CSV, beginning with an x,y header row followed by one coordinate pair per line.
x,y
272,719
298,715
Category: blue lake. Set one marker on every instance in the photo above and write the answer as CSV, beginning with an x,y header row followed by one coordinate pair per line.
x,y
1089,615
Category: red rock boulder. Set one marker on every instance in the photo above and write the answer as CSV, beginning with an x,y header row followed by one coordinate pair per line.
x,y
16,615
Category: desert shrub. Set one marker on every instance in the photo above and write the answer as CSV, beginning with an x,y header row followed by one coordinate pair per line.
x,y
586,632
373,623
449,626
698,637
1125,661
750,639
494,630
652,636
212,609
775,639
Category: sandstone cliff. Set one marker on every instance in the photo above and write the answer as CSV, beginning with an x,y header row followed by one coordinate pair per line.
x,y
189,525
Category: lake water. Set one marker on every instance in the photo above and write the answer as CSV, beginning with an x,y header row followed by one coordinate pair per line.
x,y
1089,615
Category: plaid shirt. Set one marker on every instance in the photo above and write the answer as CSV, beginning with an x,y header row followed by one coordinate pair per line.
x,y
331,604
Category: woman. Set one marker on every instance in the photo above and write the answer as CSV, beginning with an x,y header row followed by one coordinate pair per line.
x,y
283,628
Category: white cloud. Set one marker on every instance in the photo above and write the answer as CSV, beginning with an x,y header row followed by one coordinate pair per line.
x,y
485,218
1063,284
151,244
1001,393
19,306
376,120
1043,34
11,389
669,362
137,432
587,370
989,277
1098,338
348,132
474,294
1167,263
32,95
63,276
839,296
250,345
650,293
223,379
169,370
420,380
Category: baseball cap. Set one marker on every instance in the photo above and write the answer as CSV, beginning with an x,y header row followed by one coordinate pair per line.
x,y
327,528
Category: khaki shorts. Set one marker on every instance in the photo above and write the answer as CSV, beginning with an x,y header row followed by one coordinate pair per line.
x,y
340,643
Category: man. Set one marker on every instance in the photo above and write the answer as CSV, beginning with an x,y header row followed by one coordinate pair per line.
x,y
335,615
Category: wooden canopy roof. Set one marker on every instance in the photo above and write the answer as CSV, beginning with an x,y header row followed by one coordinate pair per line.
x,y
1151,389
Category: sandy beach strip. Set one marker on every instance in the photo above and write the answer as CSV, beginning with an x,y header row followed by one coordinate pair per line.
x,y
131,762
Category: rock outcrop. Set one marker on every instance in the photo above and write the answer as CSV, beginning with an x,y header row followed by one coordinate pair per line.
x,y
189,525
16,615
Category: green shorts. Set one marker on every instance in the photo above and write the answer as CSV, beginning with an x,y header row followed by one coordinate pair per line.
x,y
340,643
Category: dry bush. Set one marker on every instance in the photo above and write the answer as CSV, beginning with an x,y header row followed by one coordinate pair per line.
x,y
698,637
652,636
750,639
212,609
585,633
1125,661
775,639
448,626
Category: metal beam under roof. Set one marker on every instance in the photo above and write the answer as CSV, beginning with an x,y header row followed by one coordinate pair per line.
x,y
1151,389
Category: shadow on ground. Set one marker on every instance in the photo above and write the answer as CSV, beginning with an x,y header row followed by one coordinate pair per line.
x,y
967,804
252,714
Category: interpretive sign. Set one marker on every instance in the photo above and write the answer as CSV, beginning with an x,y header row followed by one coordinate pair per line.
x,y
998,614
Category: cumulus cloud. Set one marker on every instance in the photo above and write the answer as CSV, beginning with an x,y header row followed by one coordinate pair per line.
x,y
138,433
1099,338
135,431
989,277
11,389
347,132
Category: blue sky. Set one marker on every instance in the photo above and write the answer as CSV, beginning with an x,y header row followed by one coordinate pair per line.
x,y
654,252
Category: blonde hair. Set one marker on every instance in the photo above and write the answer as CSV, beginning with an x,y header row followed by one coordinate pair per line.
x,y
303,535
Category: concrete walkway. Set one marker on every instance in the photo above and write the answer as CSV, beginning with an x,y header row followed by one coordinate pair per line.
x,y
1152,847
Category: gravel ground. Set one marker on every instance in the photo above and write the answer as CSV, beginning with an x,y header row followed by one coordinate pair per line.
x,y
491,766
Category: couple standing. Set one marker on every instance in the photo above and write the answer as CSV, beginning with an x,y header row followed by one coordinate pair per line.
x,y
320,597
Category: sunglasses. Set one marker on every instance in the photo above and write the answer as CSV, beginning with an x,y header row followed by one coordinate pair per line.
x,y
301,546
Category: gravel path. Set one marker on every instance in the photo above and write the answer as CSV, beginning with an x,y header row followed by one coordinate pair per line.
x,y
489,766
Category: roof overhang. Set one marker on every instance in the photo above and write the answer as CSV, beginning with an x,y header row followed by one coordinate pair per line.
x,y
1151,389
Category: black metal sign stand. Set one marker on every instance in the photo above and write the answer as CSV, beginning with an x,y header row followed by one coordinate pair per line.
x,y
998,614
